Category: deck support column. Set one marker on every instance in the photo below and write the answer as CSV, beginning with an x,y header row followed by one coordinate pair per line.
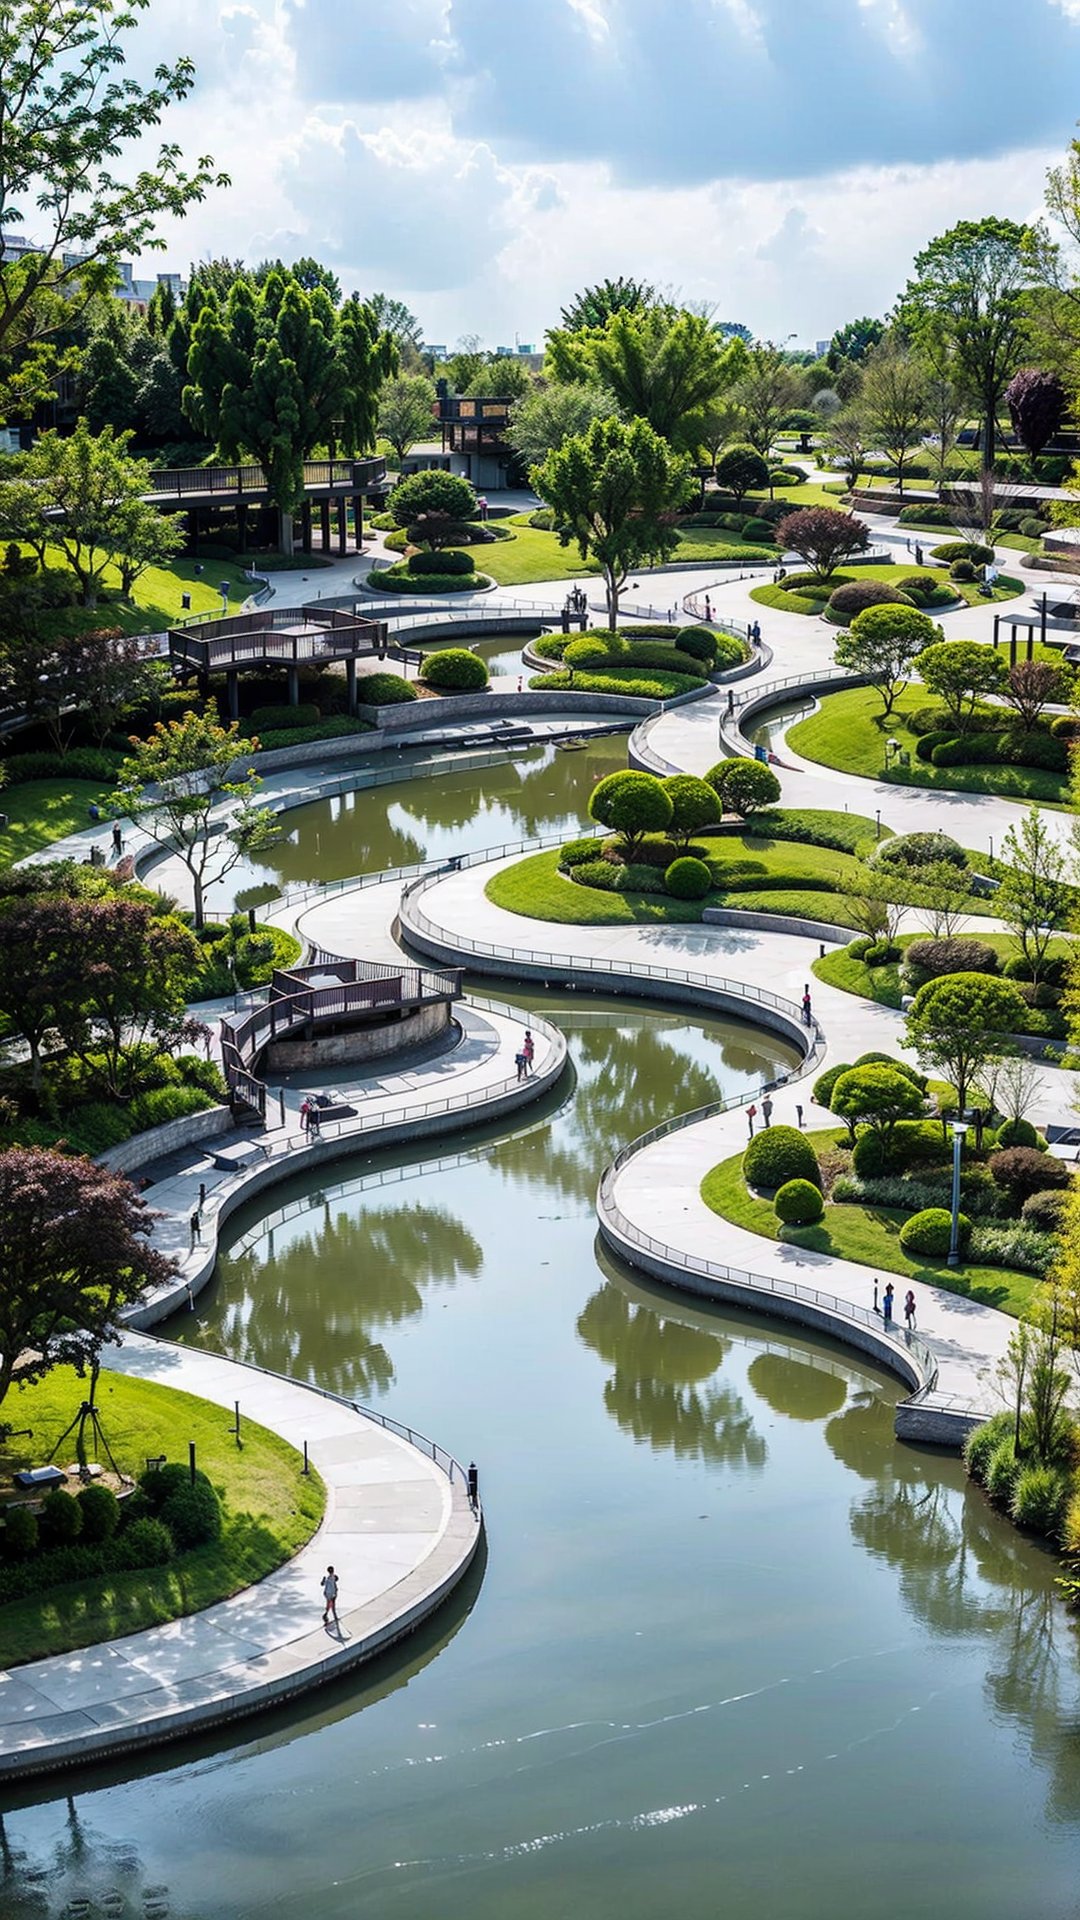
x,y
342,529
305,526
324,516
285,533
358,519
232,682
294,687
350,681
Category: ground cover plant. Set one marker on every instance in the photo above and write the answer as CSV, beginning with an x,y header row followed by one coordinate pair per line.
x,y
58,1592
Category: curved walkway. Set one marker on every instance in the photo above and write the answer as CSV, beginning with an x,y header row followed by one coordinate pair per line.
x,y
655,1187
398,1528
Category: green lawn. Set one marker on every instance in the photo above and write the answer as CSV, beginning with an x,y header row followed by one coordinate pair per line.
x,y
769,595
531,554
155,602
882,984
40,811
869,1235
271,1509
754,874
847,732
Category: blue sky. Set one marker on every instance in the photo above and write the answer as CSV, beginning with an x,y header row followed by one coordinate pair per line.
x,y
484,158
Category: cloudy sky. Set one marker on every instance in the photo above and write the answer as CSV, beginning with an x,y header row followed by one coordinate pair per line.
x,y
482,159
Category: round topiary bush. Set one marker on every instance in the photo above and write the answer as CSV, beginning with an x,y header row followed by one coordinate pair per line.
x,y
962,570
60,1520
934,959
157,1483
20,1533
826,1081
383,690
929,1234
744,785
193,1515
779,1154
1038,1499
699,642
145,1543
973,550
687,878
1021,1171
845,602
445,560
1017,1133
1045,1210
798,1203
919,850
455,667
100,1510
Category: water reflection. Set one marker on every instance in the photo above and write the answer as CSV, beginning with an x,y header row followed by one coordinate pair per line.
x,y
662,1390
798,1389
312,1295
86,1874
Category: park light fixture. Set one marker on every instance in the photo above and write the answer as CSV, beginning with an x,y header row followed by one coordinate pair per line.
x,y
958,1131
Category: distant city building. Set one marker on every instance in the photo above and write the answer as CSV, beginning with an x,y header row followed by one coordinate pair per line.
x,y
821,347
437,352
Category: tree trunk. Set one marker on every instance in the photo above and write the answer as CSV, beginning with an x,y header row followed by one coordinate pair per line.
x,y
611,591
199,900
989,433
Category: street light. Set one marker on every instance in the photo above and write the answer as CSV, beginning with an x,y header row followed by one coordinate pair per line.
x,y
958,1132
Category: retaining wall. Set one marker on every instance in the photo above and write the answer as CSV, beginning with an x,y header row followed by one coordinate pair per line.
x,y
363,1043
155,1142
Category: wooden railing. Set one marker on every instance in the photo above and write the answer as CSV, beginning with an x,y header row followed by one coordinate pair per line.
x,y
319,476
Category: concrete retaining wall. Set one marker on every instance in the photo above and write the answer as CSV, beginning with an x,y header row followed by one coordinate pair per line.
x,y
363,1043
154,1142
778,923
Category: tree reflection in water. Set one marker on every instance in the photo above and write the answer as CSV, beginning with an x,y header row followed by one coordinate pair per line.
x,y
797,1389
314,1307
662,1388
87,1875
965,1572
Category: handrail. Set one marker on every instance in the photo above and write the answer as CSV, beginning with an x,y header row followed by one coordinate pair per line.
x,y
911,1343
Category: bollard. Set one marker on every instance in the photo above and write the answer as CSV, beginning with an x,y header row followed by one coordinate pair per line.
x,y
191,1460
304,1468
236,1429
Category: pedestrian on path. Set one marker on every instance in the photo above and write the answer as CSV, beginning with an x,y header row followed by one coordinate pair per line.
x,y
918,554
528,1049
329,1586
519,1062
751,1116
806,1008
766,1111
117,840
798,1113
473,1485
196,1228
887,1304
755,633
708,608
314,1120
305,1114
909,1310
730,703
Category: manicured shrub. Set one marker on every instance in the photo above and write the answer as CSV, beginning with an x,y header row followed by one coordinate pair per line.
x,y
632,804
1017,1245
826,1081
757,530
962,570
729,653
695,805
576,852
1002,1473
431,492
383,689
60,1520
919,850
701,642
973,550
457,668
157,1483
614,876
1006,748
744,785
741,470
688,879
193,1515
446,560
145,1543
1021,1171
621,680
1017,1133
100,1510
845,602
798,1203
983,1442
401,579
901,1066
1039,1499
928,1234
776,1155
272,719
1032,527
932,959
80,763
19,1537
927,513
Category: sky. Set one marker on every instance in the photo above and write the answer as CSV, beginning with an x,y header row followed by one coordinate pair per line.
x,y
782,160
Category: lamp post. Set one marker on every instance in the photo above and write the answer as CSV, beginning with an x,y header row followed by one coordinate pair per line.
x,y
958,1132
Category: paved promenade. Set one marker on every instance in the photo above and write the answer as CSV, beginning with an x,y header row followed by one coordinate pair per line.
x,y
399,1532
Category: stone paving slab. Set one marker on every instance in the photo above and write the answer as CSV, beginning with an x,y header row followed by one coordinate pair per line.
x,y
399,1538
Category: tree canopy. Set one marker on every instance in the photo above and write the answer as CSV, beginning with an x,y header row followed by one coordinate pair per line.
x,y
662,364
616,490
959,1022
969,285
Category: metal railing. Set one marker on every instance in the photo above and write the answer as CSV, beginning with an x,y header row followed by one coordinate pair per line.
x,y
912,1344
349,475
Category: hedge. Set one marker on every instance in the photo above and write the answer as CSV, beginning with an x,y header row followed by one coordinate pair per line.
x,y
273,719
919,850
779,1154
81,763
383,689
636,686
447,560
845,602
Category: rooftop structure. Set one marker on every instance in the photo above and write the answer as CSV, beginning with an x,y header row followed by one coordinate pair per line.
x,y
289,637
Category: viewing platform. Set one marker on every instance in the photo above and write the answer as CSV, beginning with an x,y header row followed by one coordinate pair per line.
x,y
288,637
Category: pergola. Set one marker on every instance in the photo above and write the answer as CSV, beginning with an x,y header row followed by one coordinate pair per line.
x,y
289,637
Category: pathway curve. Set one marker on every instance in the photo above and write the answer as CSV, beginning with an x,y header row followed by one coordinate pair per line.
x,y
398,1528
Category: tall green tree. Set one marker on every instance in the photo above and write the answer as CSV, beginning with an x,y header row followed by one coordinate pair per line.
x,y
68,115
547,416
961,1021
407,411
87,491
766,390
616,490
892,401
854,340
970,284
662,364
1034,898
594,306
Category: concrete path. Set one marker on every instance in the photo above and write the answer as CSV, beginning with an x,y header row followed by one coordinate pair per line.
x,y
398,1530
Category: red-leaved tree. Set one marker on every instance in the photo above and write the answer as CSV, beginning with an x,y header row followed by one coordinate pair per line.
x,y
822,536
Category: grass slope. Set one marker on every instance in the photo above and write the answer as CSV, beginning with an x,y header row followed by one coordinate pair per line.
x,y
156,599
271,1510
882,984
868,1235
40,811
847,732
778,596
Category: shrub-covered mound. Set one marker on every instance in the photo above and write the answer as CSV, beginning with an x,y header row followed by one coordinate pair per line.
x,y
928,1234
799,1203
846,601
779,1154
383,689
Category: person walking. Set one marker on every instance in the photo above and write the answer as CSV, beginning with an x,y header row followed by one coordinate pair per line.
x,y
751,1116
730,703
196,1228
806,1007
708,608
918,554
887,1304
909,1310
473,1484
117,840
798,1113
329,1584
314,1119
528,1049
766,1111
519,1062
305,1114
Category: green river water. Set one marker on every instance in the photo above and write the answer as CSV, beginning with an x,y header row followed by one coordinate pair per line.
x,y
731,1649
